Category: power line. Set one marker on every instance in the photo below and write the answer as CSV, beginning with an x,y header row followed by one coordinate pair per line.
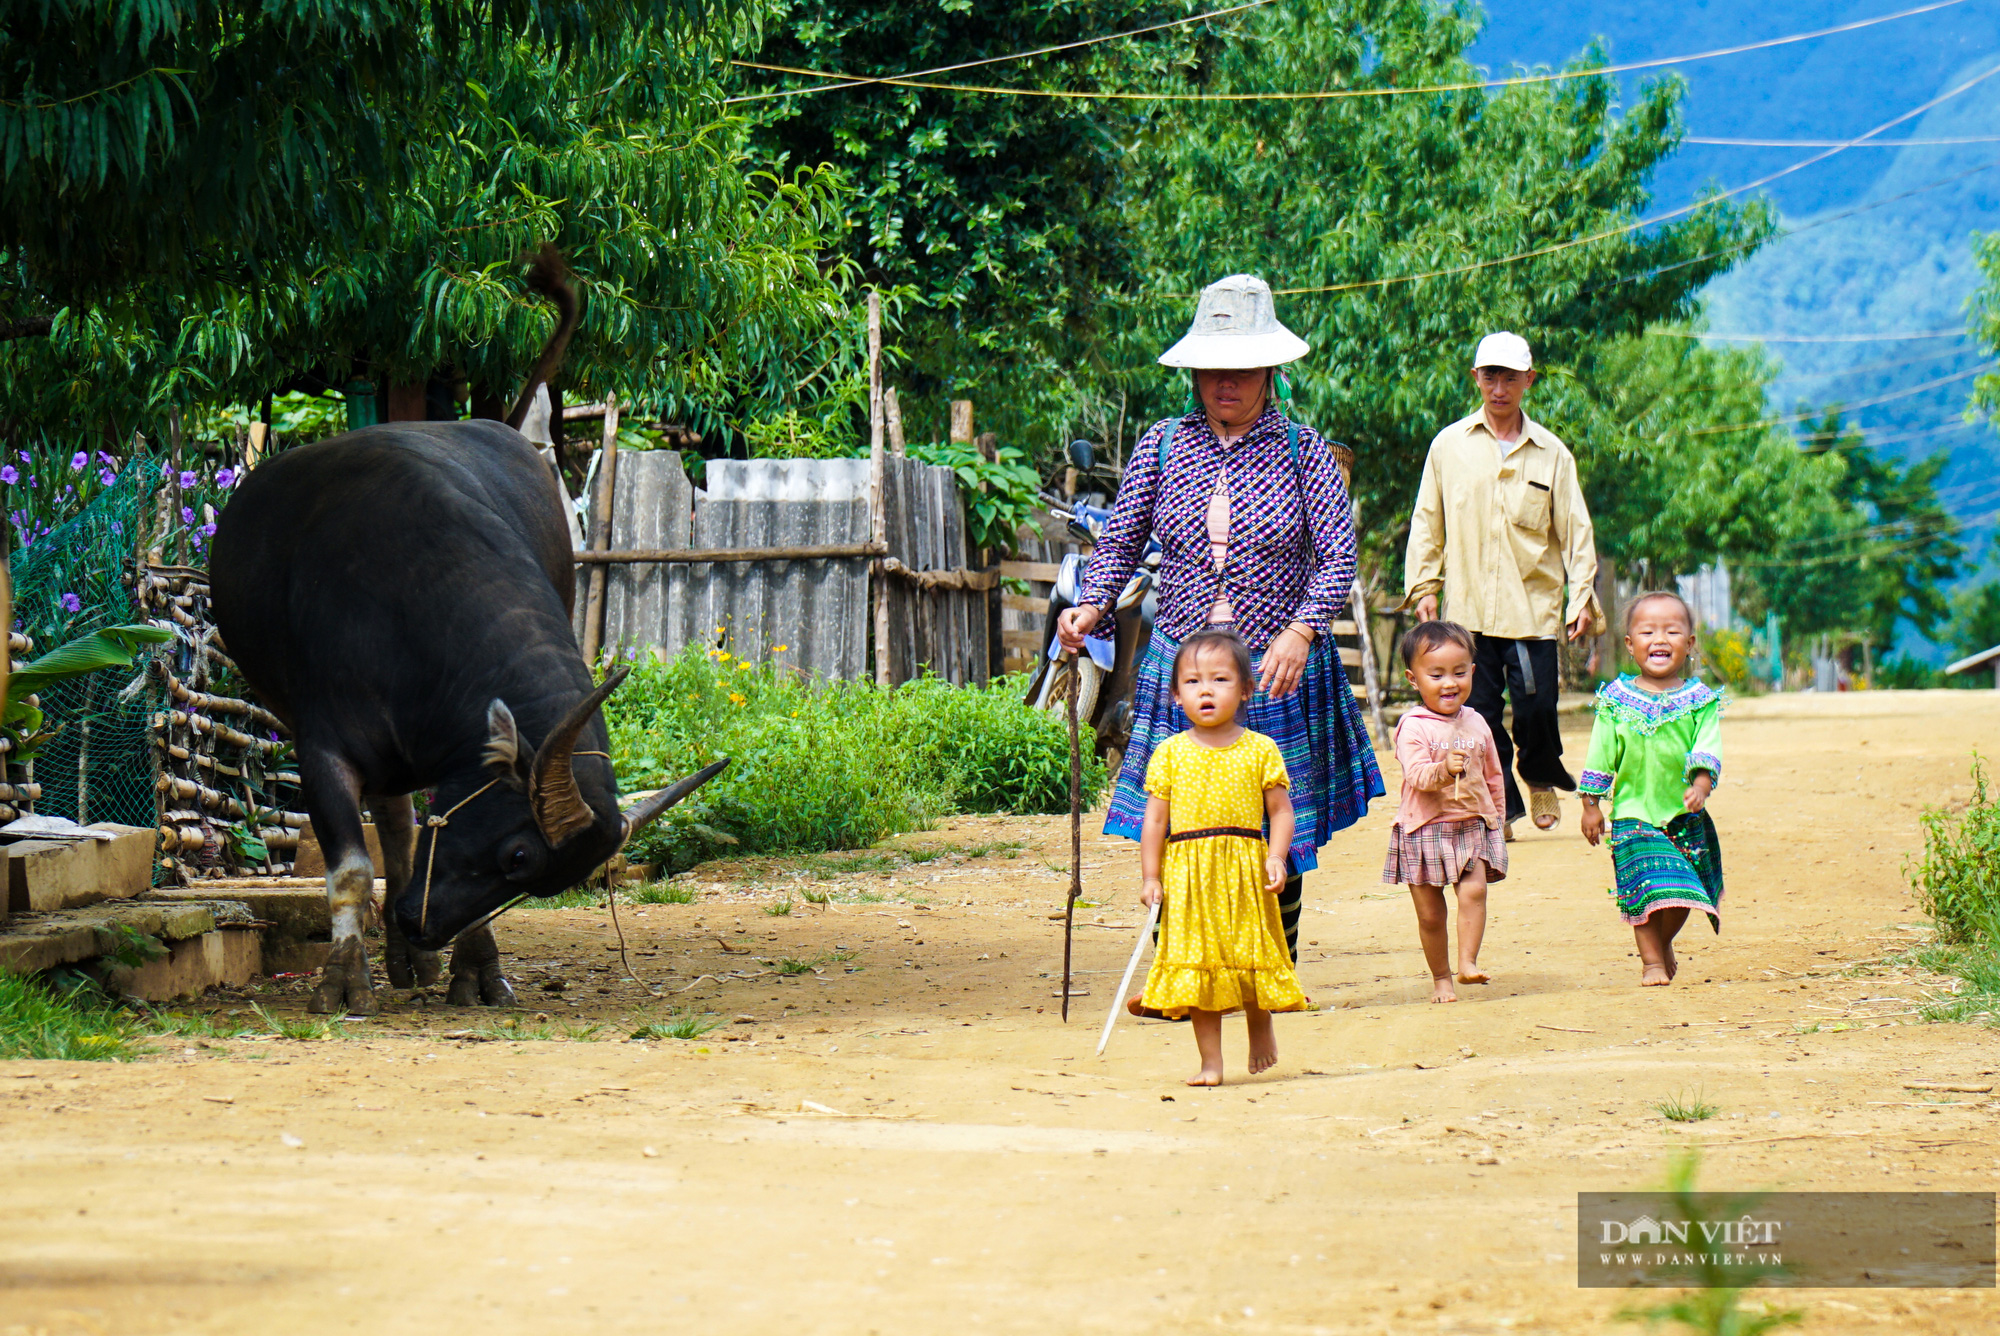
x,y
1865,368
1658,218
899,81
856,81
1828,143
1981,369
1808,338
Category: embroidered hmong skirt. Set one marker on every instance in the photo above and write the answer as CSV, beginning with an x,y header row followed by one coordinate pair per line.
x,y
1437,854
1317,727
1662,869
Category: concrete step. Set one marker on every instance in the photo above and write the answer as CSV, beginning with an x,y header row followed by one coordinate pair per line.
x,y
207,942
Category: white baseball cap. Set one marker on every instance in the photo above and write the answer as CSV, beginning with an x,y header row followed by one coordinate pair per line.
x,y
1504,349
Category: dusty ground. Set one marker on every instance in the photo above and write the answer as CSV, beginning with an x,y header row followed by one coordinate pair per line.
x,y
963,1163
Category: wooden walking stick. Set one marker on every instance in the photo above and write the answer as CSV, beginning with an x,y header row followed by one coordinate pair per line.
x,y
1118,999
1075,829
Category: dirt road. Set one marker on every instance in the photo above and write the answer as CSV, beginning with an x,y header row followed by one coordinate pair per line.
x,y
902,1138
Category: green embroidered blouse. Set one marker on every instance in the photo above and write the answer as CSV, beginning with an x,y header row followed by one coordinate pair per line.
x,y
1650,744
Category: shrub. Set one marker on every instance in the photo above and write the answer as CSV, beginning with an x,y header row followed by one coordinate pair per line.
x,y
1728,655
825,765
1957,881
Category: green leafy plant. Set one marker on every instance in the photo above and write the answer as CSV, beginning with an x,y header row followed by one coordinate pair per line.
x,y
779,908
1713,1305
822,766
128,946
302,1028
112,647
1957,878
1001,494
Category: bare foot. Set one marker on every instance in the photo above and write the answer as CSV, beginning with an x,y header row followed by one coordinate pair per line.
x,y
1473,974
1207,1076
1673,964
1441,989
1656,976
1263,1044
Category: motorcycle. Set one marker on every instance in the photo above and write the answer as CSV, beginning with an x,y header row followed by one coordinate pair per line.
x,y
1102,677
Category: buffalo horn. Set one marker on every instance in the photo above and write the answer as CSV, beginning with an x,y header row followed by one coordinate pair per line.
x,y
643,814
559,808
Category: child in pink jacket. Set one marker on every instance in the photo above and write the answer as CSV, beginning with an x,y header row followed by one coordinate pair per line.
x,y
1448,830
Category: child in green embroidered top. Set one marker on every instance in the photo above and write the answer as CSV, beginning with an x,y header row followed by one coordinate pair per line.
x,y
1658,739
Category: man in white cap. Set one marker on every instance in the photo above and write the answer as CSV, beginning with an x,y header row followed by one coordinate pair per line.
x,y
1501,530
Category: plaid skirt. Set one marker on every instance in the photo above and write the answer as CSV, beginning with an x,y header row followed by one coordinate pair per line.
x,y
1438,854
1678,867
1317,727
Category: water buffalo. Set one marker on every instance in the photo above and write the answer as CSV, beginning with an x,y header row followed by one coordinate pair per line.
x,y
401,595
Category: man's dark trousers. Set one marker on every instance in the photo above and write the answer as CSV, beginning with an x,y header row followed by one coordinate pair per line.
x,y
1527,670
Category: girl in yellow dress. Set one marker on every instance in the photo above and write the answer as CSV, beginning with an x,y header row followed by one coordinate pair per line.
x,y
1203,851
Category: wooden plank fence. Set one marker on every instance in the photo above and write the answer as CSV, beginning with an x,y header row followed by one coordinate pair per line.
x,y
809,613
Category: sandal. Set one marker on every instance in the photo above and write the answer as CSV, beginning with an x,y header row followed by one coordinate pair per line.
x,y
1544,803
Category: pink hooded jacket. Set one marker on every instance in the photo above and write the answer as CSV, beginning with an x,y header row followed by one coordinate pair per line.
x,y
1423,741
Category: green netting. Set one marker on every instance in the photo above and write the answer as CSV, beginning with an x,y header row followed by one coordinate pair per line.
x,y
101,766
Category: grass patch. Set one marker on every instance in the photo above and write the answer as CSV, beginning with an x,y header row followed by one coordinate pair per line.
x,y
1687,1108
814,896
681,1025
794,965
38,1020
303,1028
576,897
779,908
544,1032
664,893
1712,1304
195,1027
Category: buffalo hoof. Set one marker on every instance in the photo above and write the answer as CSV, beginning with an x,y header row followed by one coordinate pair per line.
x,y
494,990
345,988
464,991
428,967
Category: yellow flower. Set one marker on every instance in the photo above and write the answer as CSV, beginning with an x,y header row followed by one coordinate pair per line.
x,y
779,649
722,656
744,665
738,699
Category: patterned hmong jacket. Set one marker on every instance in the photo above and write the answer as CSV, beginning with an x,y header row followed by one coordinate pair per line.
x,y
1649,745
1291,530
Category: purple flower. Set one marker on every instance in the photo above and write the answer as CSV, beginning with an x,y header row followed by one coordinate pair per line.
x,y
9,474
166,470
31,480
208,531
107,459
225,478
187,515
106,476
27,458
71,603
195,539
78,460
189,482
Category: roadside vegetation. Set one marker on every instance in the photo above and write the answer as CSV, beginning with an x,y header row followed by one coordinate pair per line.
x,y
1957,884
818,766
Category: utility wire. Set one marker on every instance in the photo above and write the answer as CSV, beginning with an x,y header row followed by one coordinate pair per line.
x,y
857,81
1829,143
1979,370
1657,218
1808,338
1626,67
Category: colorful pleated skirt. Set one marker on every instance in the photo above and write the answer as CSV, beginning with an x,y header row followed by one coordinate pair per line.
x,y
1317,727
1678,867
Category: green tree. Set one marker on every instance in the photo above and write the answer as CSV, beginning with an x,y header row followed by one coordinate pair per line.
x,y
1975,620
205,140
1882,550
1400,217
699,277
1002,219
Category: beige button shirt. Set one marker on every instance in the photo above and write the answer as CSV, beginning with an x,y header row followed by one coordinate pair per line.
x,y
1500,529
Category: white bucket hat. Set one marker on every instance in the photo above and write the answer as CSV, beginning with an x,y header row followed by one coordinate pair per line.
x,y
1236,329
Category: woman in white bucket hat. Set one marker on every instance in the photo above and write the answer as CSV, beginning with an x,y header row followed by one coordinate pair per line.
x,y
1257,533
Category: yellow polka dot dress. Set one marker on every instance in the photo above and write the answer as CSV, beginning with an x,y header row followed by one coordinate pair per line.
x,y
1222,943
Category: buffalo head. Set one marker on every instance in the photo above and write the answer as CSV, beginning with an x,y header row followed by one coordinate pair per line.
x,y
531,821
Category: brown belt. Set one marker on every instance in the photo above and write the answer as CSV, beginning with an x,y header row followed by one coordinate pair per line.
x,y
1213,831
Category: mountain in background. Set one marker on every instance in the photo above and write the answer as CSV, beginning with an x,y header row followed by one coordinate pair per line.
x,y
1878,240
